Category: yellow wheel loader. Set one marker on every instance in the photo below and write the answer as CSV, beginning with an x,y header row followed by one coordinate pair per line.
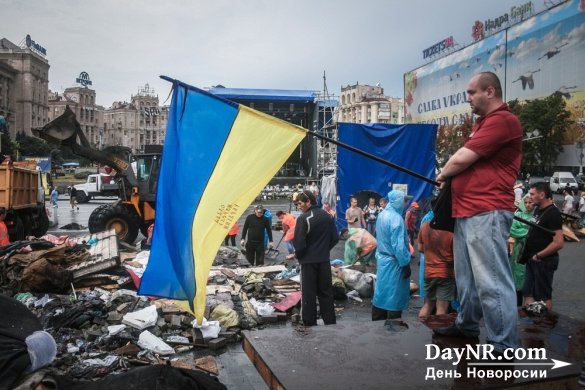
x,y
136,176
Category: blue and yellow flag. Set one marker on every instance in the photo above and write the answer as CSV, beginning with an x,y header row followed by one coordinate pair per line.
x,y
217,157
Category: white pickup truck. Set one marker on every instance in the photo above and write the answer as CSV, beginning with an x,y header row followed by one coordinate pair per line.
x,y
561,180
96,185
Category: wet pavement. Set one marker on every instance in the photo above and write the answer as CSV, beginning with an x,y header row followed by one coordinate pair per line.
x,y
405,354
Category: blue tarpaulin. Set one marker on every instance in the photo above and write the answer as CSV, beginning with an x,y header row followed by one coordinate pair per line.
x,y
411,146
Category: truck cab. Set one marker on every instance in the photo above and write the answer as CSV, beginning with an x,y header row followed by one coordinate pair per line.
x,y
99,184
561,180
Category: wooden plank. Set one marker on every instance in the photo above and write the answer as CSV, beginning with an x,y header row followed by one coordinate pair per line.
x,y
269,378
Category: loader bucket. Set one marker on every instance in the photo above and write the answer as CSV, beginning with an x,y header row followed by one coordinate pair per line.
x,y
62,128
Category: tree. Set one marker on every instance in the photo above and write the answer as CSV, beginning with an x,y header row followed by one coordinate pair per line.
x,y
450,139
7,147
57,157
551,119
32,146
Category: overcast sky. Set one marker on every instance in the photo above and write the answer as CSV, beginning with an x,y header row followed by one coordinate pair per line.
x,y
281,44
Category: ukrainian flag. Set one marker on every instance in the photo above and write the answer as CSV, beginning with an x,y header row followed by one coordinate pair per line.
x,y
217,156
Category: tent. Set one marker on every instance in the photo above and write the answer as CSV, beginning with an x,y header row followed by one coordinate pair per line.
x,y
70,164
411,146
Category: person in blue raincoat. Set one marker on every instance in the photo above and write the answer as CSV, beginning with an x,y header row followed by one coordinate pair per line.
x,y
392,290
268,215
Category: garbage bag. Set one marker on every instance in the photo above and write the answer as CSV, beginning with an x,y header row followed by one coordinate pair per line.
x,y
226,316
365,285
356,280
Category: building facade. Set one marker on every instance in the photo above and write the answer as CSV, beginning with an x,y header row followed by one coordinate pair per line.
x,y
24,87
137,123
368,104
81,100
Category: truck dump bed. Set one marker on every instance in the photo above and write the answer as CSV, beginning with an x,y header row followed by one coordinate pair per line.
x,y
18,187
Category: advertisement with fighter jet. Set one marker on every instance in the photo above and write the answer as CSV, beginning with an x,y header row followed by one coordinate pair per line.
x,y
540,56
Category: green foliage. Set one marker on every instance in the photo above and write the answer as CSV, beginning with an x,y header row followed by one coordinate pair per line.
x,y
32,146
450,139
550,117
7,147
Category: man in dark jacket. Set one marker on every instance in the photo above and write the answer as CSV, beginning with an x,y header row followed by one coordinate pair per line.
x,y
315,235
254,227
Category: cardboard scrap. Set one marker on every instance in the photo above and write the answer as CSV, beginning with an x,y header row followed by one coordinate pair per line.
x,y
290,301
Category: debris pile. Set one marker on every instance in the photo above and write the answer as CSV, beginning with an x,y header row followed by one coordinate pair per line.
x,y
52,264
102,326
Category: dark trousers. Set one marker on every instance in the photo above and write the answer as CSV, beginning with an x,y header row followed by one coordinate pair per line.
x,y
228,238
316,283
382,315
255,253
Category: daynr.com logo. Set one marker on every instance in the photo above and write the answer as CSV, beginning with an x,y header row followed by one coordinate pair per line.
x,y
483,361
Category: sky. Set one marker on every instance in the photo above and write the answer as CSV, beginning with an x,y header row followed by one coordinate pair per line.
x,y
274,44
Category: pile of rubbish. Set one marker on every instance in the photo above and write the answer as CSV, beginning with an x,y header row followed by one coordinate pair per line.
x,y
84,293
54,264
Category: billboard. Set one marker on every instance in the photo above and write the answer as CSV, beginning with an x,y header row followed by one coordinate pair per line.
x,y
541,56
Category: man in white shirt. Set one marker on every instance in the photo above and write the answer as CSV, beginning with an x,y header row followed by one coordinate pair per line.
x,y
568,204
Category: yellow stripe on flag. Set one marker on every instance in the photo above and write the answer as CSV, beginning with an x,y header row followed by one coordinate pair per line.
x,y
257,147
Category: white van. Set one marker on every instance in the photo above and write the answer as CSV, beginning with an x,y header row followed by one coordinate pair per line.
x,y
561,180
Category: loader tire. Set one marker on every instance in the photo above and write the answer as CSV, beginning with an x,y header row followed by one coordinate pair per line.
x,y
118,217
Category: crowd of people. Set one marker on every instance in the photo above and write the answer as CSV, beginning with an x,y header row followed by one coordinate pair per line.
x,y
502,252
489,264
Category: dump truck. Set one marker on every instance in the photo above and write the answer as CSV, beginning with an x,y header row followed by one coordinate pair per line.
x,y
136,177
21,194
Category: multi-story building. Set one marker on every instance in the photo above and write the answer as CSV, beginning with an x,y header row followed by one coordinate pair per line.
x,y
81,100
138,123
368,104
24,86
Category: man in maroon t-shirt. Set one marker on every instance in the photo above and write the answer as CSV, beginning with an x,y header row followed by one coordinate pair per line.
x,y
483,173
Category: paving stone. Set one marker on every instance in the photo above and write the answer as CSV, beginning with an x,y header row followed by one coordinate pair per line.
x,y
175,321
217,343
230,336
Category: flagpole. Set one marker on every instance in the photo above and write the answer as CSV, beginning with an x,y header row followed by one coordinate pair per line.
x,y
375,158
409,172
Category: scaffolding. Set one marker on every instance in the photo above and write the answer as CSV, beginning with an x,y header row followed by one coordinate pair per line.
x,y
325,124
